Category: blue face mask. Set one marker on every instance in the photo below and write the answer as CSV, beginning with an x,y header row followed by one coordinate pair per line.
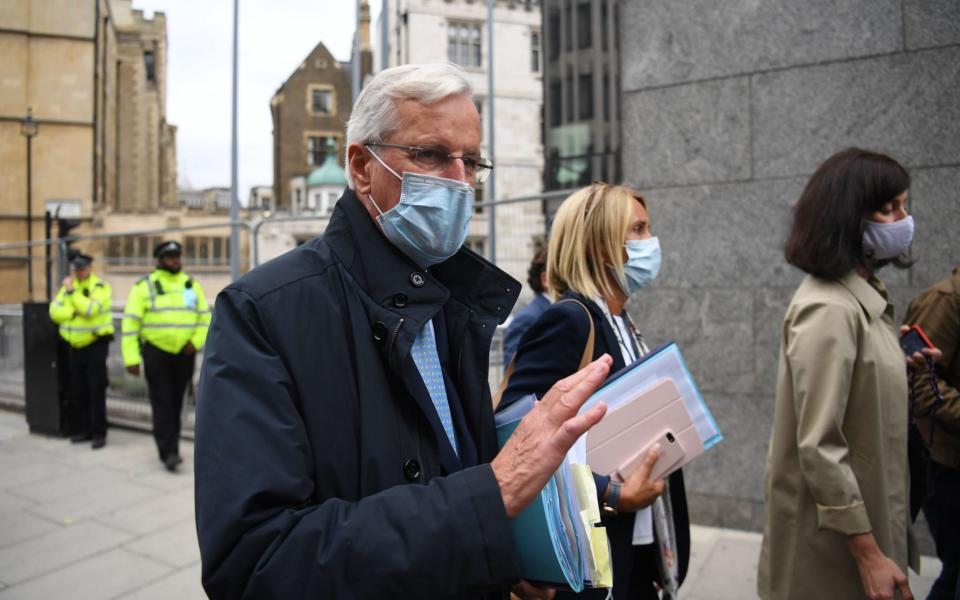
x,y
432,219
643,264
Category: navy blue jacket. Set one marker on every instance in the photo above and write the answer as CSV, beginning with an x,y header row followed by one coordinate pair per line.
x,y
550,350
322,470
519,325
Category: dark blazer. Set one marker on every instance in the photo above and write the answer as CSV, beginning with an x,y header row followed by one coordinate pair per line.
x,y
550,350
519,325
322,470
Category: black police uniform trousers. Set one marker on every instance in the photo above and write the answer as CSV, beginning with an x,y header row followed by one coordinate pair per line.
x,y
167,378
942,509
88,382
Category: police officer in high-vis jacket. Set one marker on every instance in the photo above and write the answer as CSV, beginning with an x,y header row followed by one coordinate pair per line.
x,y
165,323
82,309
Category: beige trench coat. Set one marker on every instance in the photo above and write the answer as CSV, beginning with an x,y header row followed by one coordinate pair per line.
x,y
837,463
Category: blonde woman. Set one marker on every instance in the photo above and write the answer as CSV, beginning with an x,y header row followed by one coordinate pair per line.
x,y
602,250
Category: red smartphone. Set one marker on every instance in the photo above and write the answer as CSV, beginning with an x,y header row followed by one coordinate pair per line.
x,y
914,340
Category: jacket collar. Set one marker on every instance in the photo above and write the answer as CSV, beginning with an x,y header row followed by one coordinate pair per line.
x,y
870,293
399,298
165,275
383,271
89,282
603,330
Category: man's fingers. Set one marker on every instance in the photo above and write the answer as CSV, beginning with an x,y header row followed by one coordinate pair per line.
x,y
570,383
904,586
576,426
568,395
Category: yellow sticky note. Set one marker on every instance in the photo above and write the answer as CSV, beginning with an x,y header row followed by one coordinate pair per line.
x,y
586,491
602,575
601,571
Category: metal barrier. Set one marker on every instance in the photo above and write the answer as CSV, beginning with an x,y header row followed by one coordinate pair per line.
x,y
127,400
126,256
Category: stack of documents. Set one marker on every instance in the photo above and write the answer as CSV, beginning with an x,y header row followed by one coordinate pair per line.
x,y
652,401
557,542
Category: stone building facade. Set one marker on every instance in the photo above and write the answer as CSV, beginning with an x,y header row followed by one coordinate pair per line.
x,y
310,112
419,31
727,110
581,80
127,254
92,73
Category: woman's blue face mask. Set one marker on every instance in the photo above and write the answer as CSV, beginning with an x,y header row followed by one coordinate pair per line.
x,y
431,221
642,264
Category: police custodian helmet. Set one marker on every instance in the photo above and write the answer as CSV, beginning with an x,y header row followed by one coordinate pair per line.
x,y
169,247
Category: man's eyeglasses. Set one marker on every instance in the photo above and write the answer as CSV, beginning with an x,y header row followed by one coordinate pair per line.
x,y
438,159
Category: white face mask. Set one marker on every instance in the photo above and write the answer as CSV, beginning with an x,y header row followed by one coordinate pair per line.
x,y
883,241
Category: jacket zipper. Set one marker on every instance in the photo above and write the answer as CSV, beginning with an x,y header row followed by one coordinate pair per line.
x,y
390,342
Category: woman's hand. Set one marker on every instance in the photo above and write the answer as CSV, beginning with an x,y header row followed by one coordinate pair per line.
x,y
880,576
638,491
918,360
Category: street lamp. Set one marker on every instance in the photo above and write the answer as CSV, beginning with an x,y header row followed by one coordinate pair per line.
x,y
28,129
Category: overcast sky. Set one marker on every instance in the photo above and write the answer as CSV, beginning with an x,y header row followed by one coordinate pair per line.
x,y
275,36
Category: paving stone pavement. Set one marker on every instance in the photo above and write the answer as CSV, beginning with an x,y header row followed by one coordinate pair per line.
x,y
112,524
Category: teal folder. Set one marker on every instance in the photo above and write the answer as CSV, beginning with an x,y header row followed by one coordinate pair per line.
x,y
547,541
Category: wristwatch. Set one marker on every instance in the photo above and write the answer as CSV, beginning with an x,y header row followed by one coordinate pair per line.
x,y
611,502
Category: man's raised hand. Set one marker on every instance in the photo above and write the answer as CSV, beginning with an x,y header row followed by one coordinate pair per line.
x,y
541,440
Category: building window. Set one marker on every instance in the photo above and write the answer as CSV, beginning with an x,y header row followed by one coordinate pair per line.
x,y
321,101
568,108
131,250
568,26
463,44
553,34
318,146
585,93
206,250
603,25
478,200
478,245
584,26
535,51
556,103
606,94
150,63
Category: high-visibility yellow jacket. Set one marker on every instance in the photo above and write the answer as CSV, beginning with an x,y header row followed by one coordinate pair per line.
x,y
166,310
83,314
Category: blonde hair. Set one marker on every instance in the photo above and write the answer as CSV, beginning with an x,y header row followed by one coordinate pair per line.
x,y
587,239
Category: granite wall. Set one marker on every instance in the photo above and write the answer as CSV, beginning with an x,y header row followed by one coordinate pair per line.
x,y
727,108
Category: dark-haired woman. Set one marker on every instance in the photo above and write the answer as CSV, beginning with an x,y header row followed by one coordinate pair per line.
x,y
836,487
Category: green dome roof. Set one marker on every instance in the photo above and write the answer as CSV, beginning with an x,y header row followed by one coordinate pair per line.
x,y
329,173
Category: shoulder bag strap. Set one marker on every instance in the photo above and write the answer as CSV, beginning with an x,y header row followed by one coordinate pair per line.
x,y
585,359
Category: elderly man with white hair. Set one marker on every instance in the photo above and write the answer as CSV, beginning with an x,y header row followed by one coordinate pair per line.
x,y
345,442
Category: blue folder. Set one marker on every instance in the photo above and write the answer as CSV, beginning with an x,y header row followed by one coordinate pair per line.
x,y
547,523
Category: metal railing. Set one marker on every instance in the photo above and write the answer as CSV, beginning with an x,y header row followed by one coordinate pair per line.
x,y
127,399
521,230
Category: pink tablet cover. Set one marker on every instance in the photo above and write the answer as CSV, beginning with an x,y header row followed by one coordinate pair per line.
x,y
618,442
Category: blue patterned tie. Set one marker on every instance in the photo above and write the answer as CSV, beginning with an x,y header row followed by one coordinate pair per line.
x,y
424,352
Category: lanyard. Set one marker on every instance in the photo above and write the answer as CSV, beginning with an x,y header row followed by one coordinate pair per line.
x,y
636,348
937,400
